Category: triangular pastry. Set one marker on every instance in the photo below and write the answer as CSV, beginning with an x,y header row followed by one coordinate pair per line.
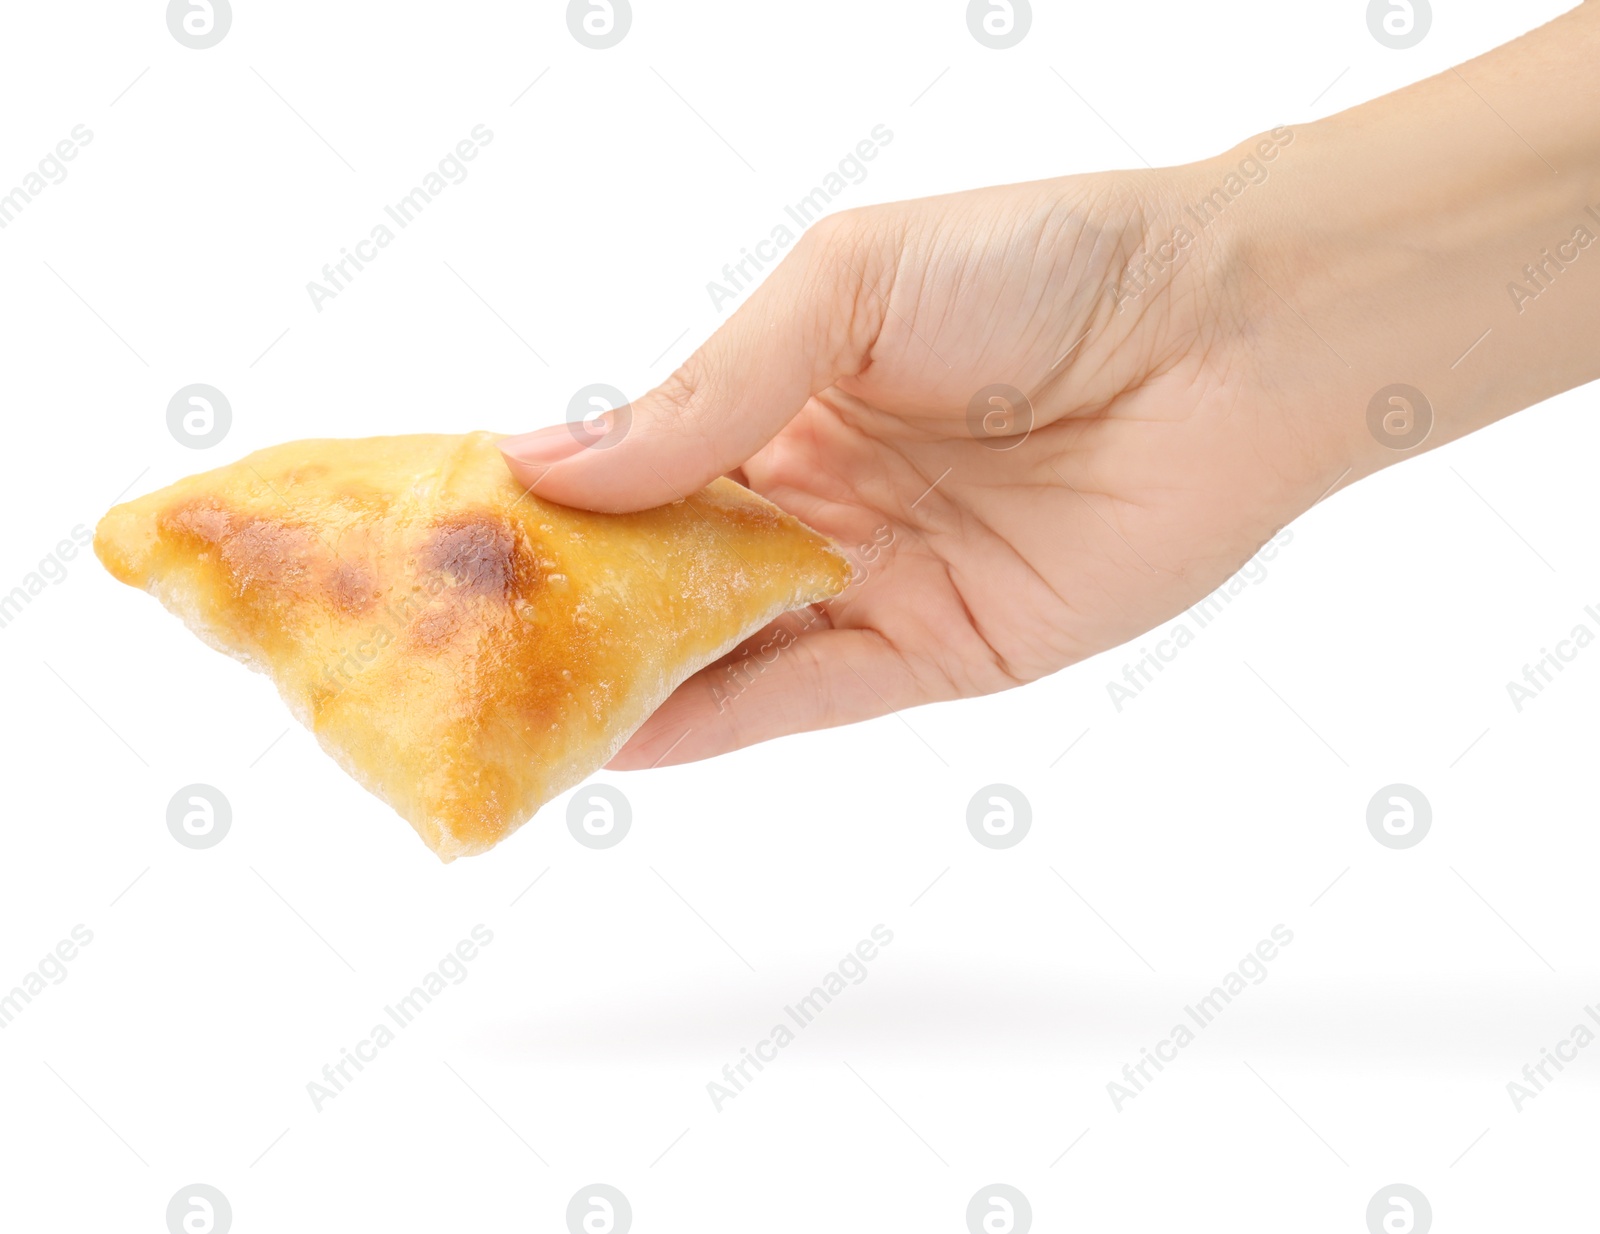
x,y
462,648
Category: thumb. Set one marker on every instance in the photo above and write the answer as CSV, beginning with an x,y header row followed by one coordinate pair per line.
x,y
809,324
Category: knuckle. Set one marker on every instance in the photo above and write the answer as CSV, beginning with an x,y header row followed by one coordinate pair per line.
x,y
672,402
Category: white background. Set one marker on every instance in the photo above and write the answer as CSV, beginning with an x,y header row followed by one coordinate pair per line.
x,y
178,1048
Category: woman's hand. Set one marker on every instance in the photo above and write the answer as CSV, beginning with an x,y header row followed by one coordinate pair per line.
x,y
1046,417
1029,460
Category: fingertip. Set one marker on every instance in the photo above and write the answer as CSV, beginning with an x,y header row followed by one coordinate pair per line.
x,y
660,743
530,457
615,475
527,475
542,447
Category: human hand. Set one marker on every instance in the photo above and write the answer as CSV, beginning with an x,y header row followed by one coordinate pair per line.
x,y
1180,405
1139,472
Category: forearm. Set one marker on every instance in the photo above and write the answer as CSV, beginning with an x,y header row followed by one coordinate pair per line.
x,y
1447,237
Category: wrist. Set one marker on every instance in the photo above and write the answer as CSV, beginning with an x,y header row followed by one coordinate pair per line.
x,y
1445,238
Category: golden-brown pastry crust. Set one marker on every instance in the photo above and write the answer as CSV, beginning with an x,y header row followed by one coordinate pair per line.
x,y
463,649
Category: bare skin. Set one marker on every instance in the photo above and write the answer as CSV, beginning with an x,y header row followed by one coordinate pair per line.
x,y
1184,398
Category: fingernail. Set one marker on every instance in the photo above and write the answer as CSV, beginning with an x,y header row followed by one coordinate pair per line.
x,y
544,446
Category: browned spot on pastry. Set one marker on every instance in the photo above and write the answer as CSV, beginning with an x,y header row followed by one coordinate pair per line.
x,y
256,552
268,551
203,521
478,554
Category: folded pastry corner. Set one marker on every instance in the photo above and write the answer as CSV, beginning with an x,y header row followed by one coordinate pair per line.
x,y
463,649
